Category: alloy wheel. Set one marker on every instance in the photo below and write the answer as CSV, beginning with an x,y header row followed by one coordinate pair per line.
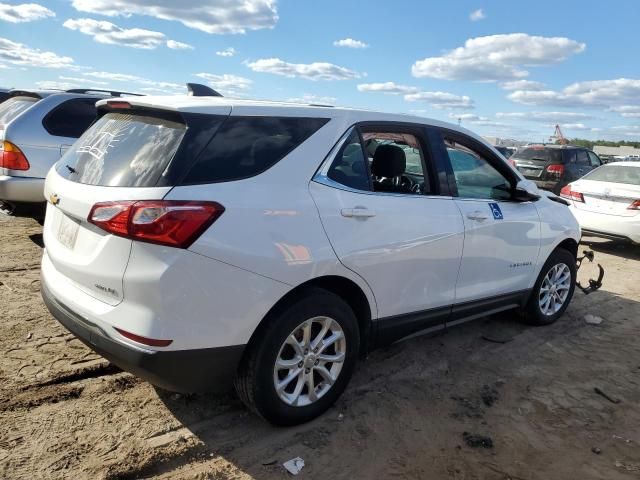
x,y
554,289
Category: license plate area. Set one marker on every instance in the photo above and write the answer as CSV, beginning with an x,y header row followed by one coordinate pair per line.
x,y
68,231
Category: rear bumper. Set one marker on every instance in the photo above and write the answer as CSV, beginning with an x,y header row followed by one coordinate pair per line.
x,y
21,189
552,186
198,370
608,226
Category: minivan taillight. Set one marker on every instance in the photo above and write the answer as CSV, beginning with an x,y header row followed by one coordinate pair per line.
x,y
566,192
12,157
174,223
556,170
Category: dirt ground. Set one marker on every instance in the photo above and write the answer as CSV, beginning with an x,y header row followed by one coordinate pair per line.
x,y
66,413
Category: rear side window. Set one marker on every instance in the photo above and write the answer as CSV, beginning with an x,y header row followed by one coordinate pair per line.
x,y
71,118
350,168
553,155
13,107
246,146
123,150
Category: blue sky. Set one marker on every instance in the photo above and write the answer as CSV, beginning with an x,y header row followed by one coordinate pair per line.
x,y
505,68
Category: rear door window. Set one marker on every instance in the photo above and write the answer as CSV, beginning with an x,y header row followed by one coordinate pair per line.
x,y
71,118
247,146
13,107
582,158
350,168
123,150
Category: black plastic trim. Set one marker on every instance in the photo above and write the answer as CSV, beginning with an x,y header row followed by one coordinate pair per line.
x,y
187,371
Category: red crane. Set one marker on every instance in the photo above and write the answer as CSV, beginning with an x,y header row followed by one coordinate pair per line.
x,y
558,136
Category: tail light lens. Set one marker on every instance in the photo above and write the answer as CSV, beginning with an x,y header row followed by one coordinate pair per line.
x,y
512,163
566,192
12,157
635,205
164,222
556,170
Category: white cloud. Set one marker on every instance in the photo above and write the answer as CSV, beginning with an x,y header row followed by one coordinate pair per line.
x,y
522,85
390,88
497,57
599,93
133,79
477,15
117,77
441,100
227,52
627,111
19,54
175,45
475,119
107,32
24,12
310,71
55,85
574,126
226,84
350,43
83,81
309,98
555,117
211,16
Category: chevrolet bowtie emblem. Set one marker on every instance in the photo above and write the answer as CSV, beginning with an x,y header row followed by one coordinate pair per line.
x,y
54,199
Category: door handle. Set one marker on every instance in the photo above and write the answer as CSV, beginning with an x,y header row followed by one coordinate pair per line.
x,y
477,215
358,212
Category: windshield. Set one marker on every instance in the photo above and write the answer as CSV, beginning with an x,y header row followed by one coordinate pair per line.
x,y
615,174
13,107
122,150
553,155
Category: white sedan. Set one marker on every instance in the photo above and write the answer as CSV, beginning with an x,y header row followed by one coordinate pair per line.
x,y
606,201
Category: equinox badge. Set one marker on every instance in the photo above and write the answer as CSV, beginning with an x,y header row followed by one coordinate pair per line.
x,y
54,199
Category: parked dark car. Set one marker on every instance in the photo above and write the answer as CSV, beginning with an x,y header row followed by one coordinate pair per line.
x,y
554,166
4,94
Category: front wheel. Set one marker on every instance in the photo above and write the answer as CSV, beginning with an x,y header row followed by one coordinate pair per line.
x,y
302,361
553,290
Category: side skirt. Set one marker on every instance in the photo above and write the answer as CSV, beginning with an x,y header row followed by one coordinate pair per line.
x,y
388,330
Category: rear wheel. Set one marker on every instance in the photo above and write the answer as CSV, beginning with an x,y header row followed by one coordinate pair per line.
x,y
553,290
302,360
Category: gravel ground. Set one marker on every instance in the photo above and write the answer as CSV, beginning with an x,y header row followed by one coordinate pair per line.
x,y
411,411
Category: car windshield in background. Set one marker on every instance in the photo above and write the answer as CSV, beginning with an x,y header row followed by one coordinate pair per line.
x,y
122,150
615,174
540,153
13,107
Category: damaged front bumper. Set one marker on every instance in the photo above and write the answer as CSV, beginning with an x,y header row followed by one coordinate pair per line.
x,y
593,284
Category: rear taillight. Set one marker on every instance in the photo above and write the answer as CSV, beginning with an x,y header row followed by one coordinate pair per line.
x,y
635,205
512,163
165,222
12,157
566,192
556,170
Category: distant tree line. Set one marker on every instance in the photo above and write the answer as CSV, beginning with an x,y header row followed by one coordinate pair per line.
x,y
581,142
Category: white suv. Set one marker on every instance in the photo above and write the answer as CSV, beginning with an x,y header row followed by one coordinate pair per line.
x,y
196,240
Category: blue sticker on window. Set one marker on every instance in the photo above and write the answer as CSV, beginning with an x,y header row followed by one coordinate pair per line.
x,y
495,209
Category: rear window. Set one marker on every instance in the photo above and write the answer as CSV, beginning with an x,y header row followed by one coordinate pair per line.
x,y
615,174
553,155
246,146
123,150
13,107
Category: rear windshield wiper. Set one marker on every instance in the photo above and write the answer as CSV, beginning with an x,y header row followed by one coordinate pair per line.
x,y
71,169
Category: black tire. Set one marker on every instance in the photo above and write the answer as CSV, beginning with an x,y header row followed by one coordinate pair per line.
x,y
255,379
533,314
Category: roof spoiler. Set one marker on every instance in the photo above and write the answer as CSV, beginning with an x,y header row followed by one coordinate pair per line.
x,y
199,90
23,93
113,93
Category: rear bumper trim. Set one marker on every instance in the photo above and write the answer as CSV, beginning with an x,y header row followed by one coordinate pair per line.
x,y
21,189
186,371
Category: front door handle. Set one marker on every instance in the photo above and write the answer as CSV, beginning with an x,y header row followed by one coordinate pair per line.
x,y
477,215
358,212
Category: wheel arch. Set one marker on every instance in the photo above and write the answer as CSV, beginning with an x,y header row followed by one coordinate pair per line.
x,y
343,287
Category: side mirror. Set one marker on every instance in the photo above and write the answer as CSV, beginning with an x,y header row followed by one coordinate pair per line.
x,y
526,191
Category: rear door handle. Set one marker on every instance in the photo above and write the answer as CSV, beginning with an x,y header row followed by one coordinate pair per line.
x,y
358,212
477,215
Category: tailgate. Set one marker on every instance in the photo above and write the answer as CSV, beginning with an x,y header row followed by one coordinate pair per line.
x,y
93,260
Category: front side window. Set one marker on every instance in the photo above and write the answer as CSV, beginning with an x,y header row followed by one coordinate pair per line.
x,y
350,165
475,176
593,158
396,162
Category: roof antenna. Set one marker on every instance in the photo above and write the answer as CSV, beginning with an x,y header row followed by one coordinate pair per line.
x,y
199,90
